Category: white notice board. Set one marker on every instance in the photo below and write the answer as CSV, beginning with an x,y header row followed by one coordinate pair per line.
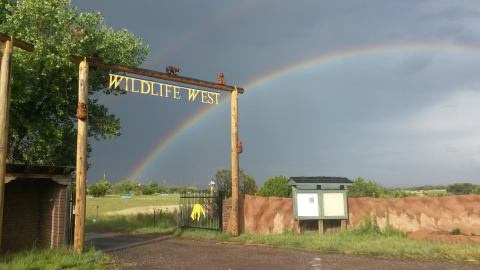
x,y
307,205
333,204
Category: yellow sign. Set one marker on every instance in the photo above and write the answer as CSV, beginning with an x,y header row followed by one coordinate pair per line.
x,y
134,85
197,211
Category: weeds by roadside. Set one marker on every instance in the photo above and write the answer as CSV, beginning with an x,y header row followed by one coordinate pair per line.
x,y
364,240
56,259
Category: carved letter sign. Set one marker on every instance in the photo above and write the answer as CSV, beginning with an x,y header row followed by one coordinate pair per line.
x,y
134,85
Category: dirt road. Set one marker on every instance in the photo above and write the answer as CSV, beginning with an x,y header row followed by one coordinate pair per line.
x,y
172,253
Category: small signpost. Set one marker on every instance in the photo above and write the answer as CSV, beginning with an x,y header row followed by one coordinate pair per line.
x,y
156,90
320,198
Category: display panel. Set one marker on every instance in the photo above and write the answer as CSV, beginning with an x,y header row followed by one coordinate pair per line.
x,y
333,204
307,205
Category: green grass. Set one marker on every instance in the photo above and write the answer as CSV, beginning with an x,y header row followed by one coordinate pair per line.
x,y
138,223
47,259
131,222
113,203
389,243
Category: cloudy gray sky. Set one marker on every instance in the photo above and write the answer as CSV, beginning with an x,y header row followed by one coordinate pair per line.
x,y
392,91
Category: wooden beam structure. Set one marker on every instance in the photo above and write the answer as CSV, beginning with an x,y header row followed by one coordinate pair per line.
x,y
82,136
17,43
234,213
81,170
159,75
5,76
7,44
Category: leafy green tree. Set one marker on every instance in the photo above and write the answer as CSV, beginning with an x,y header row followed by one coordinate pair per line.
x,y
248,186
44,85
99,189
3,9
276,186
126,187
223,180
461,188
476,190
365,188
150,188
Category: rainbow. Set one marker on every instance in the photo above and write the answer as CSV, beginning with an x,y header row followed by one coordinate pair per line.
x,y
322,59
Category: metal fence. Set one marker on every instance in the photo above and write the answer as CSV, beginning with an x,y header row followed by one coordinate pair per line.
x,y
201,209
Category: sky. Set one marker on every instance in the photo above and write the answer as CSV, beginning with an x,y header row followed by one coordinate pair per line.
x,y
384,90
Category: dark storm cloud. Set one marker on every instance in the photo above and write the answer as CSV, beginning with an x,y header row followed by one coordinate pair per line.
x,y
362,116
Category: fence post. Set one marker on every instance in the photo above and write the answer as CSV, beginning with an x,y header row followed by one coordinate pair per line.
x,y
154,212
220,210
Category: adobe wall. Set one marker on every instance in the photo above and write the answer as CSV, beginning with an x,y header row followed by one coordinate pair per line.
x,y
414,213
266,215
263,215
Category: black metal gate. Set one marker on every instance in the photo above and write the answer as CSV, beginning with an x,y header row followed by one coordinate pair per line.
x,y
201,209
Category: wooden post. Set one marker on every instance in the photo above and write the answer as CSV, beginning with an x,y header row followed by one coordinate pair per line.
x,y
321,228
5,75
343,224
233,224
81,167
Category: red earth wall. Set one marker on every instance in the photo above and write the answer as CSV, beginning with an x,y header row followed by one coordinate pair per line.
x,y
266,215
420,213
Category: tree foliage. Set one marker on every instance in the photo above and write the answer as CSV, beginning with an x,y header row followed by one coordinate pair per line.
x,y
44,85
461,188
365,188
127,187
150,188
3,10
99,189
223,180
276,186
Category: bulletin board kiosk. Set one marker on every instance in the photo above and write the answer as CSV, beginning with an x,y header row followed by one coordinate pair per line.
x,y
322,199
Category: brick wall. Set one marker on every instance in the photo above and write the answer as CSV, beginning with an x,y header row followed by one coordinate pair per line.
x,y
34,214
52,216
21,215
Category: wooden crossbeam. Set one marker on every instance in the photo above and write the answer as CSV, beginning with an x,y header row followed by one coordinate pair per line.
x,y
158,75
17,42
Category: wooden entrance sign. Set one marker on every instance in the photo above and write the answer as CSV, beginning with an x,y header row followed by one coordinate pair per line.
x,y
6,49
140,86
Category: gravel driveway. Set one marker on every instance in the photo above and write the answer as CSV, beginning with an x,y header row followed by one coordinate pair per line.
x,y
167,252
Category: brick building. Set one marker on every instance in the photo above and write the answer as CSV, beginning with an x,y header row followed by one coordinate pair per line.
x,y
37,207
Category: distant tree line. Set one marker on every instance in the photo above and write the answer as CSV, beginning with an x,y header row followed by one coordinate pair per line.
x,y
369,188
129,187
277,186
463,188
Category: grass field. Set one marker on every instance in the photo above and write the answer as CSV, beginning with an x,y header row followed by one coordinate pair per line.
x,y
56,259
113,203
133,215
